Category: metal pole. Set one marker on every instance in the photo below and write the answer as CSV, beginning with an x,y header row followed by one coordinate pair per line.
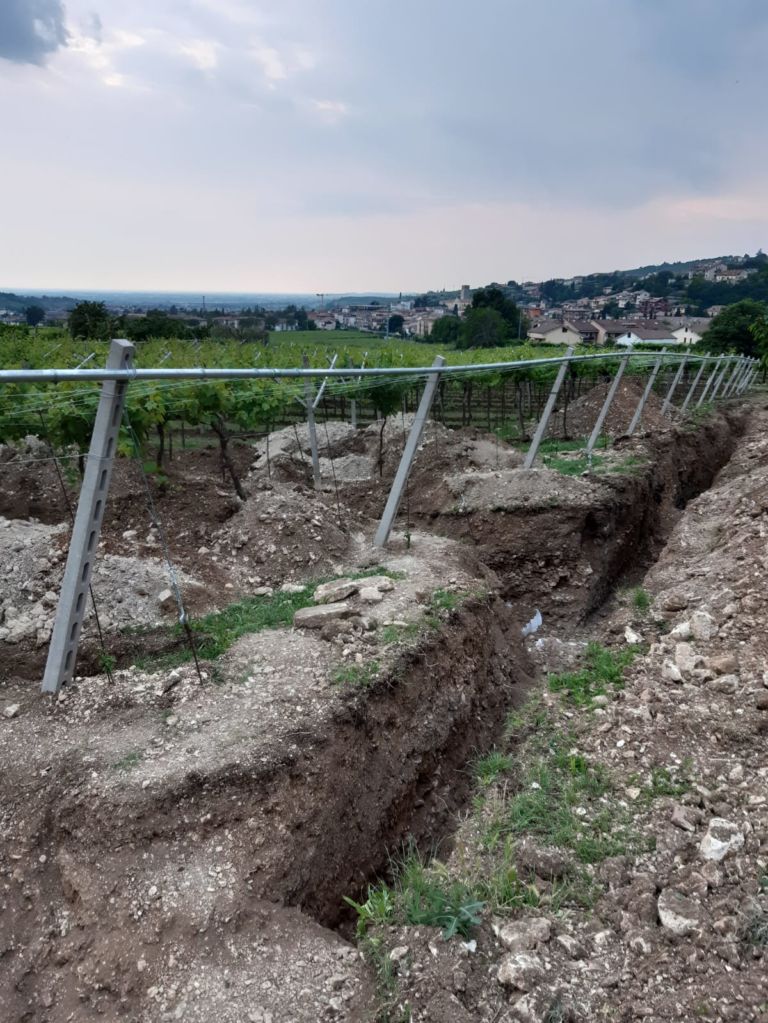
x,y
710,380
409,452
673,386
311,426
607,404
538,436
741,366
744,377
641,404
694,385
747,382
62,652
719,381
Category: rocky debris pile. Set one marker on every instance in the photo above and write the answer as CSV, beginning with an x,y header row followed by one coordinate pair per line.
x,y
353,456
282,532
129,590
582,413
673,923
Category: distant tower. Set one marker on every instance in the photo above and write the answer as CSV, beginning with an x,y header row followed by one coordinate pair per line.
x,y
203,304
465,296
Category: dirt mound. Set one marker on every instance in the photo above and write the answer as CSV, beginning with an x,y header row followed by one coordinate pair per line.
x,y
581,415
283,532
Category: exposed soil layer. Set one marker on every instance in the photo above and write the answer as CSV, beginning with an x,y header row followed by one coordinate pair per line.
x,y
130,877
676,928
564,549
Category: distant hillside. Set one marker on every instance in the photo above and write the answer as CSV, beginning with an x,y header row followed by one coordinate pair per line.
x,y
51,303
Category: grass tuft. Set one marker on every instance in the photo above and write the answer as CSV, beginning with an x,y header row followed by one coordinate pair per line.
x,y
603,670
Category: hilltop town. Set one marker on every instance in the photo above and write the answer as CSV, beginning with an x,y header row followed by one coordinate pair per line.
x,y
667,304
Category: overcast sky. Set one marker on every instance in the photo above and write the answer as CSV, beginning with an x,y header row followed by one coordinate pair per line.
x,y
329,145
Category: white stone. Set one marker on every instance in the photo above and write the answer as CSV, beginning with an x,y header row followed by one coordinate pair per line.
x,y
11,710
525,934
316,617
331,593
682,631
520,970
370,595
703,626
722,837
677,913
671,672
165,599
291,588
685,657
378,582
632,637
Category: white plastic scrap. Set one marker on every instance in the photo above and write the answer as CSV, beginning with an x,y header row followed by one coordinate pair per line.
x,y
534,624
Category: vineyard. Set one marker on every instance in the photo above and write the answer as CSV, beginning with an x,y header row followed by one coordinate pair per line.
x,y
475,772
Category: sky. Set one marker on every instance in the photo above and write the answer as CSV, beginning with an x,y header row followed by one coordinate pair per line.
x,y
387,145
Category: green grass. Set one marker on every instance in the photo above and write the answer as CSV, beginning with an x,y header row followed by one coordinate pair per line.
x,y
603,670
490,767
663,783
563,800
395,635
420,894
361,675
215,633
129,761
641,599
573,466
445,600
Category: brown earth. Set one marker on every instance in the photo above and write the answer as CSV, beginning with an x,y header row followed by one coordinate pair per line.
x,y
154,830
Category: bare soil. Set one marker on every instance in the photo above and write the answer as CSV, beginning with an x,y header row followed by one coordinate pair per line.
x,y
178,850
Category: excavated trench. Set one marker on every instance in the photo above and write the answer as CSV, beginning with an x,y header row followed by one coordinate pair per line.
x,y
318,822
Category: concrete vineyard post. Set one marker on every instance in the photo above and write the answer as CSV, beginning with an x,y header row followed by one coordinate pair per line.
x,y
409,452
606,405
541,429
694,385
648,387
62,652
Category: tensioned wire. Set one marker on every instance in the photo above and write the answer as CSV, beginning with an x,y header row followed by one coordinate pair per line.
x,y
337,387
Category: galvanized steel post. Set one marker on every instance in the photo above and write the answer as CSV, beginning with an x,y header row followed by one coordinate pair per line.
x,y
607,404
646,393
673,386
710,380
720,379
409,452
694,385
541,429
62,652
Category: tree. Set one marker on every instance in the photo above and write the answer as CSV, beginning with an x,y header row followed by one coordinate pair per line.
x,y
737,328
395,323
494,298
91,321
482,328
445,331
34,314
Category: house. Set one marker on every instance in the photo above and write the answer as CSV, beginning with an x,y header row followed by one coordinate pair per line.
x,y
686,335
646,336
588,330
715,310
553,332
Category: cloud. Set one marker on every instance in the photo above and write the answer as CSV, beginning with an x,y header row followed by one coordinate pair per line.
x,y
31,29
